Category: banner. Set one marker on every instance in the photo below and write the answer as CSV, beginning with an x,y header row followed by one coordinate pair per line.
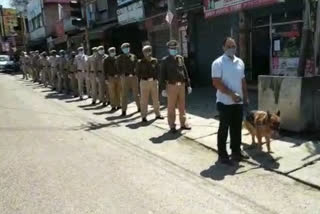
x,y
131,13
214,8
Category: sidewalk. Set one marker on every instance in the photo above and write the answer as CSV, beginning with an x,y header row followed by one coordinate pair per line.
x,y
293,157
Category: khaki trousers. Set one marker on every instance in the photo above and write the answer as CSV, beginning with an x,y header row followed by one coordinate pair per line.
x,y
147,88
115,91
53,76
60,81
44,76
81,76
93,86
129,83
88,85
73,83
25,72
103,88
176,98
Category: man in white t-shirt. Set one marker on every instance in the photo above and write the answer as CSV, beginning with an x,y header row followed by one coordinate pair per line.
x,y
229,80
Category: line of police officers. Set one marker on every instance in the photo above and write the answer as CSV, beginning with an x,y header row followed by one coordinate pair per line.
x,y
109,78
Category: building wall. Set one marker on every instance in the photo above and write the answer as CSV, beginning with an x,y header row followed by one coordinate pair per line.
x,y
50,16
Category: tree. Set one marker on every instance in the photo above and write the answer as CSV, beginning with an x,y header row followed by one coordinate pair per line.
x,y
20,5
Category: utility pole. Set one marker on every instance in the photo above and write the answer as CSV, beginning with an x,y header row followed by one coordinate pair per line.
x,y
86,28
306,37
173,26
317,41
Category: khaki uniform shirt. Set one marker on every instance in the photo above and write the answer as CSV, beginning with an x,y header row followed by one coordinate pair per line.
x,y
99,62
174,70
148,69
62,65
127,64
92,63
53,60
81,62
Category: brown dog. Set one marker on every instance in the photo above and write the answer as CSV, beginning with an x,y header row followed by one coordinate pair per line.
x,y
262,124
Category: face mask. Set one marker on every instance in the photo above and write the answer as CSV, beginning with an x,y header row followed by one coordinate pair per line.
x,y
230,52
112,54
101,52
81,53
125,50
173,52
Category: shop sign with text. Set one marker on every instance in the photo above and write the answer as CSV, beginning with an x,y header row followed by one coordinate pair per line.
x,y
214,8
131,13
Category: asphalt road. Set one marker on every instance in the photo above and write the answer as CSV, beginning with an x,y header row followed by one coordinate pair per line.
x,y
59,155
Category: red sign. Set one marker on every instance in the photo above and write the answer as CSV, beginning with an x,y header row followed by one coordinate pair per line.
x,y
59,29
214,8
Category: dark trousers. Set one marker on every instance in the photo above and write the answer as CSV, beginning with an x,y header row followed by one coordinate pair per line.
x,y
230,119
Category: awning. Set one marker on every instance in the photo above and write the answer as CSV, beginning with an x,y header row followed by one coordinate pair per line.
x,y
97,33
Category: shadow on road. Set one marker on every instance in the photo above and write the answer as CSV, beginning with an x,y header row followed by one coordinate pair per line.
x,y
56,95
167,136
140,124
219,171
264,159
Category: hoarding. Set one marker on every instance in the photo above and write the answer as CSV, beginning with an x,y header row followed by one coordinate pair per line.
x,y
214,8
131,13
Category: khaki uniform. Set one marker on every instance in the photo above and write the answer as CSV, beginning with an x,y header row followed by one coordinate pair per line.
x,y
24,67
53,60
36,68
175,78
129,81
27,66
45,67
148,73
62,74
81,65
93,77
72,69
113,75
102,83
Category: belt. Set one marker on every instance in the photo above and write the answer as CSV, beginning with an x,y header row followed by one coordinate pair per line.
x,y
91,71
99,71
176,83
115,75
130,75
80,70
148,79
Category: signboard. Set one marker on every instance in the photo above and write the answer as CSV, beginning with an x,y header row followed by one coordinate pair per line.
x,y
122,2
283,66
9,20
34,8
214,8
131,13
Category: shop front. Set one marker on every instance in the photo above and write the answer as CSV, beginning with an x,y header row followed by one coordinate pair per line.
x,y
268,34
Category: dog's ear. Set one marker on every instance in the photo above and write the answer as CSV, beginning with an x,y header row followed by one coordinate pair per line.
x,y
269,115
278,113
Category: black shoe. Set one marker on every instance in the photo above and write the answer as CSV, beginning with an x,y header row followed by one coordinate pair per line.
x,y
185,127
104,104
113,109
173,130
81,98
139,110
93,102
118,107
237,157
144,120
108,103
124,113
159,118
225,160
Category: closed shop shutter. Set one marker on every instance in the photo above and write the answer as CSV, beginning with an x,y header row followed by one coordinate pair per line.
x,y
159,41
208,35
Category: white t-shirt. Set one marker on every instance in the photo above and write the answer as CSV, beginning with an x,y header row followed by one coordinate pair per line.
x,y
231,73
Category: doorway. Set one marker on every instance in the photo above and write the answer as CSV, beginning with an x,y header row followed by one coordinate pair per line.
x,y
260,52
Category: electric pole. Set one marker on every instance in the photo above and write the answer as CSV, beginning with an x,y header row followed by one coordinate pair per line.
x,y
173,26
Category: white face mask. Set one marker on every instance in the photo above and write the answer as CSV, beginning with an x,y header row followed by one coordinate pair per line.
x,y
230,52
81,53
101,52
112,54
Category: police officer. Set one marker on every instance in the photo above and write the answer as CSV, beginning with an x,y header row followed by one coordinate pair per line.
x,y
36,66
92,74
126,63
62,71
148,73
81,63
32,65
53,60
27,63
44,61
113,76
23,65
72,69
102,83
174,81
